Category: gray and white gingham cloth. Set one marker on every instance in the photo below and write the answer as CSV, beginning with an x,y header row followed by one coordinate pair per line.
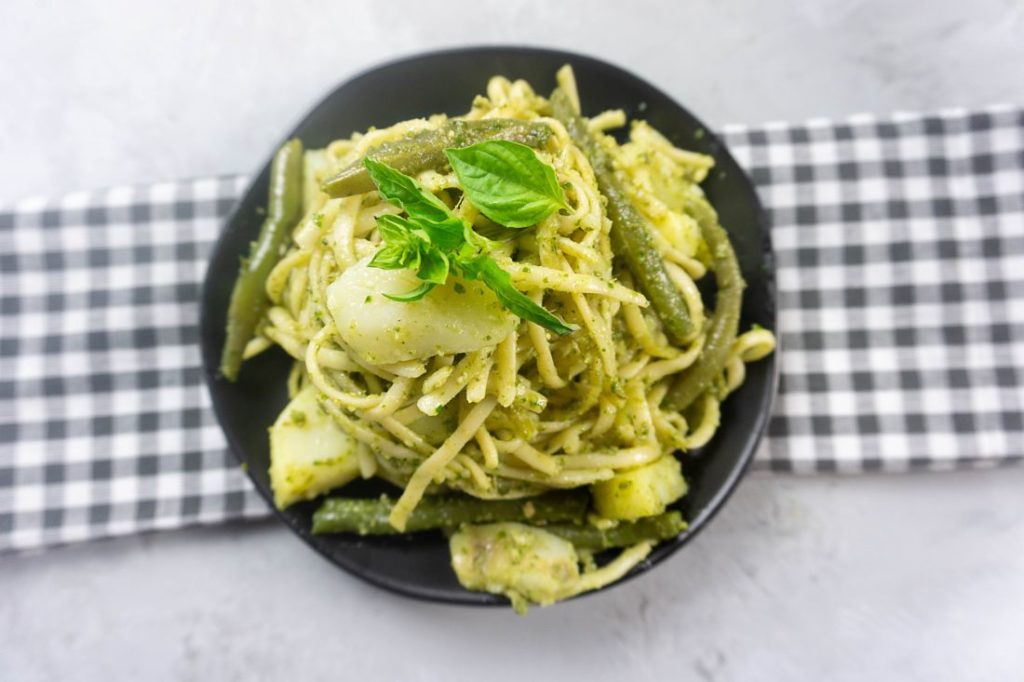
x,y
900,249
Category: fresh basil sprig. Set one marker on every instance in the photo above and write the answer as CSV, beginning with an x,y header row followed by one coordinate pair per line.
x,y
507,182
434,241
406,245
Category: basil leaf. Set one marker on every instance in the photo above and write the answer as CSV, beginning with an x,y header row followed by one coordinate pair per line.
x,y
414,295
402,244
507,182
497,280
402,190
433,266
394,229
447,234
390,257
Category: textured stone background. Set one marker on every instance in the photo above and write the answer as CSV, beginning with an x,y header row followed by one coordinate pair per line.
x,y
878,578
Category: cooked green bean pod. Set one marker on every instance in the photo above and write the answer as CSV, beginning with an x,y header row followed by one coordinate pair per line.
x,y
424,150
249,297
631,239
370,517
586,536
725,319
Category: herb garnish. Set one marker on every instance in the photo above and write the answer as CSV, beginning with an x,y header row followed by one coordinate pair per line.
x,y
507,182
434,241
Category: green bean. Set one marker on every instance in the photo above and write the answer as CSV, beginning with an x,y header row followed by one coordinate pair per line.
x,y
724,321
249,297
424,150
586,536
631,238
370,517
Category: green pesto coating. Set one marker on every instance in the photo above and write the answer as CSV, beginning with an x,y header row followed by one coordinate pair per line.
x,y
424,150
630,235
249,297
724,321
657,528
370,517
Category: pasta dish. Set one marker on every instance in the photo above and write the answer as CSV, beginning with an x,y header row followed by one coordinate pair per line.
x,y
509,316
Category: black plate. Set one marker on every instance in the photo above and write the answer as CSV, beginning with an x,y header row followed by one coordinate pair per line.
x,y
418,566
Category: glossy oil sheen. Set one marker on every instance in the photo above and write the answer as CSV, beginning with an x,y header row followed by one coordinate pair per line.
x,y
418,565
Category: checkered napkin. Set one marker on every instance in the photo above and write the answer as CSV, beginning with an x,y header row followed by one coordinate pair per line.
x,y
900,247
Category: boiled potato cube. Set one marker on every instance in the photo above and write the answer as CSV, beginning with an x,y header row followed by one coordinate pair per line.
x,y
456,317
526,564
309,454
644,491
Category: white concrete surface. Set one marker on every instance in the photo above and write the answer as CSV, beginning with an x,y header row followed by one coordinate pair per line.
x,y
917,577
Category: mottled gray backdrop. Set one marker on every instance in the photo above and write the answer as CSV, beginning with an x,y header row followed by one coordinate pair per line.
x,y
915,577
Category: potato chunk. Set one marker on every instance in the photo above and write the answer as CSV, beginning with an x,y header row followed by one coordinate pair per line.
x,y
644,491
456,317
526,564
309,454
